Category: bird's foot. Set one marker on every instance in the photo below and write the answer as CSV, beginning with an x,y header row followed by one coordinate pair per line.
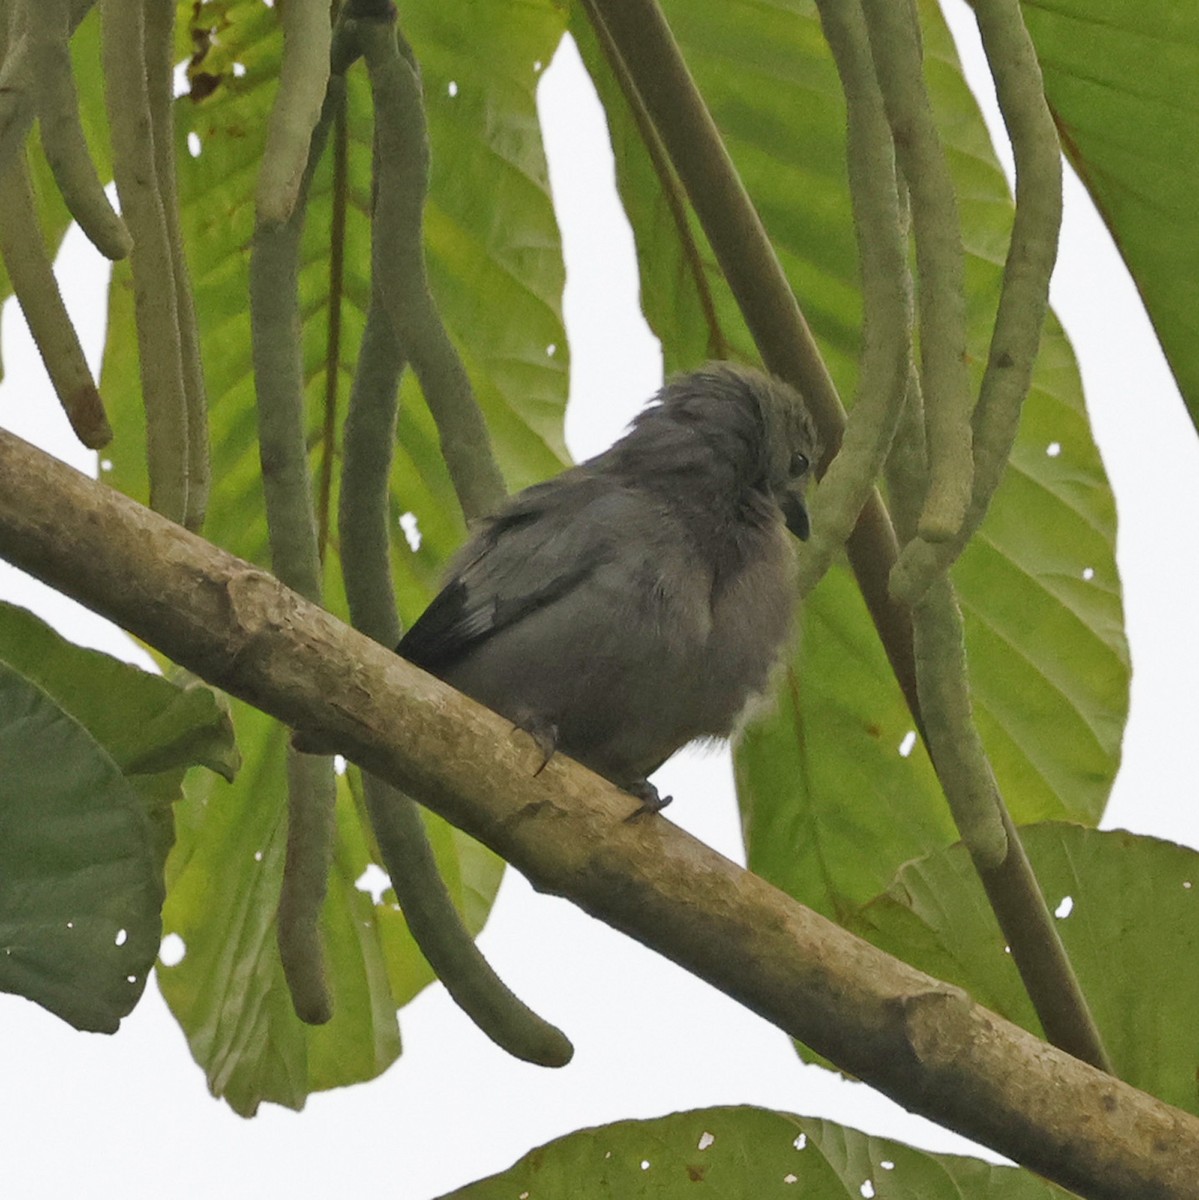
x,y
651,801
545,737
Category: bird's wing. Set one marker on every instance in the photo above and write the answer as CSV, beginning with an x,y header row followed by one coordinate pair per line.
x,y
546,542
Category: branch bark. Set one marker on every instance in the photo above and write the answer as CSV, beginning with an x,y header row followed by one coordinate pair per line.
x,y
924,1043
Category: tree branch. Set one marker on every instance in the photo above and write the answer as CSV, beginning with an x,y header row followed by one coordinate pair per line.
x,y
916,1039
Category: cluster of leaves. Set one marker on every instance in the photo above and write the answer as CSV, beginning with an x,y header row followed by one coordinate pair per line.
x,y
835,813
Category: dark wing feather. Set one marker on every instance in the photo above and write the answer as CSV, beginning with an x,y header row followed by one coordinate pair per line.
x,y
528,556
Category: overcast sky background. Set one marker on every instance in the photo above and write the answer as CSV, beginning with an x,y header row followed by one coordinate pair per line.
x,y
129,1115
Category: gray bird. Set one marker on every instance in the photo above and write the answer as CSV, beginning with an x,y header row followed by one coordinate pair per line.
x,y
639,600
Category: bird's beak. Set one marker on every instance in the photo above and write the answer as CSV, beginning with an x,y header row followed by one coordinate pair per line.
x,y
795,513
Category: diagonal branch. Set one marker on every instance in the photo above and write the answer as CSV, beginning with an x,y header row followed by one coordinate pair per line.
x,y
673,195
644,42
918,1040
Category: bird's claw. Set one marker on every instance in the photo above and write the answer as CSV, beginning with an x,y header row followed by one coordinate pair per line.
x,y
651,800
545,737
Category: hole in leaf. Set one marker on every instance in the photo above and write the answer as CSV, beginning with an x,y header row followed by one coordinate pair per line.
x,y
172,950
374,881
411,528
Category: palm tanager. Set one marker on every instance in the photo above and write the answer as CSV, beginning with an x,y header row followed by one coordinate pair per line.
x,y
641,599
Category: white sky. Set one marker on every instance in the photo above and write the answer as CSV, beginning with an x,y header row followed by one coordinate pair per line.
x,y
95,1116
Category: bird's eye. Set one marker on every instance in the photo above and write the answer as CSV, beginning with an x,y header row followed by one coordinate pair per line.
x,y
799,464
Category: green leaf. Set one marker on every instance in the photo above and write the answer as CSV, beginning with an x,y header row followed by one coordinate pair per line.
x,y
80,881
831,808
1128,919
748,1152
496,268
494,261
152,728
147,723
228,990
1120,78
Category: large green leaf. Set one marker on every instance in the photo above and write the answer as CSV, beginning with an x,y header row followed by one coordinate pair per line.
x,y
153,729
94,754
748,1152
1127,915
228,990
147,723
494,260
1121,78
831,807
80,874
496,268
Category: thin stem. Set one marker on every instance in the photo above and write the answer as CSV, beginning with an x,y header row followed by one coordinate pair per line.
x,y
337,250
363,534
940,260
401,158
57,104
287,489
886,293
953,742
1024,297
32,277
303,76
947,726
18,105
160,75
154,297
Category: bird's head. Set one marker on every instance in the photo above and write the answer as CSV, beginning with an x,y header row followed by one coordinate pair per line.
x,y
763,424
790,447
